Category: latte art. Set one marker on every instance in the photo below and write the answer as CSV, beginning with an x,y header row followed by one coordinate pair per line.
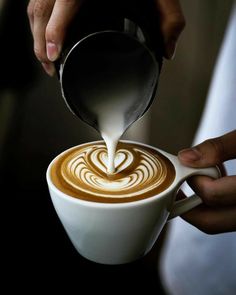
x,y
139,173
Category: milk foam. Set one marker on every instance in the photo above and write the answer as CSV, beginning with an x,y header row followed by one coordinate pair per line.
x,y
111,126
112,120
140,173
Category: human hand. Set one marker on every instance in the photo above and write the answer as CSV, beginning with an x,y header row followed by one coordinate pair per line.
x,y
172,23
217,214
49,20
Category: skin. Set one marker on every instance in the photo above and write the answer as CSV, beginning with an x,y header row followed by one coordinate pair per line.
x,y
217,214
49,20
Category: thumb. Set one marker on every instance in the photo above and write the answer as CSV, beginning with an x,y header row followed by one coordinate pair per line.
x,y
211,152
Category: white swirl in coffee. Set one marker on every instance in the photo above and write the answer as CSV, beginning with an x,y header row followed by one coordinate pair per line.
x,y
140,172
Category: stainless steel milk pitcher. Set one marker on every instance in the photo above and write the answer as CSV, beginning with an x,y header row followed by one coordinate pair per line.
x,y
112,56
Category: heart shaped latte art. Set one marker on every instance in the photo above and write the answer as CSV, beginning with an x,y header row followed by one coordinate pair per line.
x,y
139,173
99,159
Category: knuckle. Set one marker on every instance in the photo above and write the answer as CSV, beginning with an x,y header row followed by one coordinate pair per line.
x,y
210,196
52,32
176,22
218,150
40,54
207,225
40,8
209,229
30,9
67,1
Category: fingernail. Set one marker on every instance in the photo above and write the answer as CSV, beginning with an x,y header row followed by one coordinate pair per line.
x,y
49,68
52,51
189,155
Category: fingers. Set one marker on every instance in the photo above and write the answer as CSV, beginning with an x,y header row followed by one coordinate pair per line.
x,y
218,211
62,15
41,14
211,220
49,20
211,152
215,192
38,13
172,23
30,12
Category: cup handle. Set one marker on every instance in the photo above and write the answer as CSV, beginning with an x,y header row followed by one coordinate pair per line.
x,y
190,202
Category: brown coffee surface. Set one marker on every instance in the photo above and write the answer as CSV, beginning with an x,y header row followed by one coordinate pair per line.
x,y
141,172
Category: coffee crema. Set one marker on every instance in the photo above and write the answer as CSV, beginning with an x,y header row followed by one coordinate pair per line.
x,y
141,172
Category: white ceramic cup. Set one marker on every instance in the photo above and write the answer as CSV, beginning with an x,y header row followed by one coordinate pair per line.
x,y
117,233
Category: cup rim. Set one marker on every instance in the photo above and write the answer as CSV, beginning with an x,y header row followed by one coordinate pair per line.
x,y
148,200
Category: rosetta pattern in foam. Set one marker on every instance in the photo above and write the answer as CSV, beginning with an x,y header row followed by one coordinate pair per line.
x,y
139,173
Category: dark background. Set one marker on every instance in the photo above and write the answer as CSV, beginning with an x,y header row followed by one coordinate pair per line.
x,y
35,126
